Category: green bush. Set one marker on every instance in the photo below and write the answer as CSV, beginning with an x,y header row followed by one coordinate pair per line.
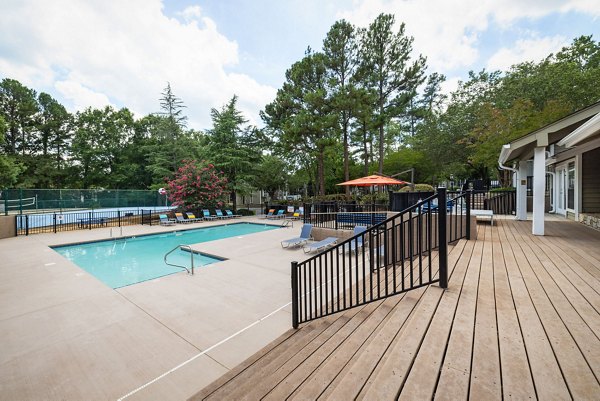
x,y
418,188
502,189
375,197
328,198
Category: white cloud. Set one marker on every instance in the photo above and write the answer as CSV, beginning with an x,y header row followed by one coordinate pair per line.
x,y
125,51
534,49
447,32
191,13
80,96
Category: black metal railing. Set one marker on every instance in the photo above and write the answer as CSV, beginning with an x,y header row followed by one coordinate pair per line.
x,y
70,221
344,215
500,202
391,257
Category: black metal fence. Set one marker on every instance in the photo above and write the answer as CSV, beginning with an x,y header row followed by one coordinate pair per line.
x,y
344,215
391,257
57,222
500,202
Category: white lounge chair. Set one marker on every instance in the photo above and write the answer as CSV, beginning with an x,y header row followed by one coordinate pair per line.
x,y
323,244
165,221
304,237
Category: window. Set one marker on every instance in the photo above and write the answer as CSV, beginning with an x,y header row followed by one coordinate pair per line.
x,y
571,186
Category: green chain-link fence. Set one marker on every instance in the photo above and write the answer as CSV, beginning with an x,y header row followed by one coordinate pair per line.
x,y
21,201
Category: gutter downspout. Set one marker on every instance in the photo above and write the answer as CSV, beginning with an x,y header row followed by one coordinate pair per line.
x,y
519,214
502,159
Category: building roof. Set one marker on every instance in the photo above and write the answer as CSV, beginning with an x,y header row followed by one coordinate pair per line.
x,y
588,130
522,148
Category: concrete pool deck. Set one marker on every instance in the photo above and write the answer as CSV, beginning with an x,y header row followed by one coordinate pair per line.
x,y
66,335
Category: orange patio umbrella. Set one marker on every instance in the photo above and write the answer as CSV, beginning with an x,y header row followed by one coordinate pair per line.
x,y
373,180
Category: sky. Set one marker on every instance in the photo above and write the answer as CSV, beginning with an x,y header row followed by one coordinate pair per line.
x,y
93,53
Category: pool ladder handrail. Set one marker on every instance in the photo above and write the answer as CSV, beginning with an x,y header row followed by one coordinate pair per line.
x,y
179,247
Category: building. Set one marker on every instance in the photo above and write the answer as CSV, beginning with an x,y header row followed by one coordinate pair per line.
x,y
564,160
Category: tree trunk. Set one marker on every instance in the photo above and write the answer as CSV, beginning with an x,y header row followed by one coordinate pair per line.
x,y
234,201
366,151
346,156
321,171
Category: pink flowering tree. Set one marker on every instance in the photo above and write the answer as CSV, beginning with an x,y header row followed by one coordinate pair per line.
x,y
196,186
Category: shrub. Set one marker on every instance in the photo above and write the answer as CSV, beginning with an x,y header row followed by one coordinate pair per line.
x,y
376,197
196,186
245,212
502,189
418,188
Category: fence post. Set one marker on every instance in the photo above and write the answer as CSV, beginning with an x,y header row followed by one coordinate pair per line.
x,y
295,295
443,243
119,216
469,195
54,223
304,213
26,224
336,210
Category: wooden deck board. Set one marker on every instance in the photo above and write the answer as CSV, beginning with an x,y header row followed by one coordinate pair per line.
x,y
517,382
546,372
575,367
520,320
456,370
421,383
485,376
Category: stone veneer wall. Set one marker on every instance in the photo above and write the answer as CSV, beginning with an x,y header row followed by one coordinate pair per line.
x,y
590,220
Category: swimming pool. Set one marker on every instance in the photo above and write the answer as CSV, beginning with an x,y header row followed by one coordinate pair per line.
x,y
122,262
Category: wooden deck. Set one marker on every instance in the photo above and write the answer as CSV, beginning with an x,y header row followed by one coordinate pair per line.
x,y
520,320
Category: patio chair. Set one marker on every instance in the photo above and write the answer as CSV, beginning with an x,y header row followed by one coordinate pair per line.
x,y
207,216
357,244
230,214
192,217
180,219
279,215
321,245
270,214
164,220
305,235
220,214
295,216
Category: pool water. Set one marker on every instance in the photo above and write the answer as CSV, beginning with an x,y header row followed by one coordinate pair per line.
x,y
119,263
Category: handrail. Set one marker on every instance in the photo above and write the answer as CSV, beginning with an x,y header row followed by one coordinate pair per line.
x,y
180,246
388,258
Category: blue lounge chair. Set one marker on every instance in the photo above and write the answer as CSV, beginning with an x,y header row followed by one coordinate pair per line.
x,y
280,215
323,244
220,214
230,214
207,216
164,220
304,237
358,243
